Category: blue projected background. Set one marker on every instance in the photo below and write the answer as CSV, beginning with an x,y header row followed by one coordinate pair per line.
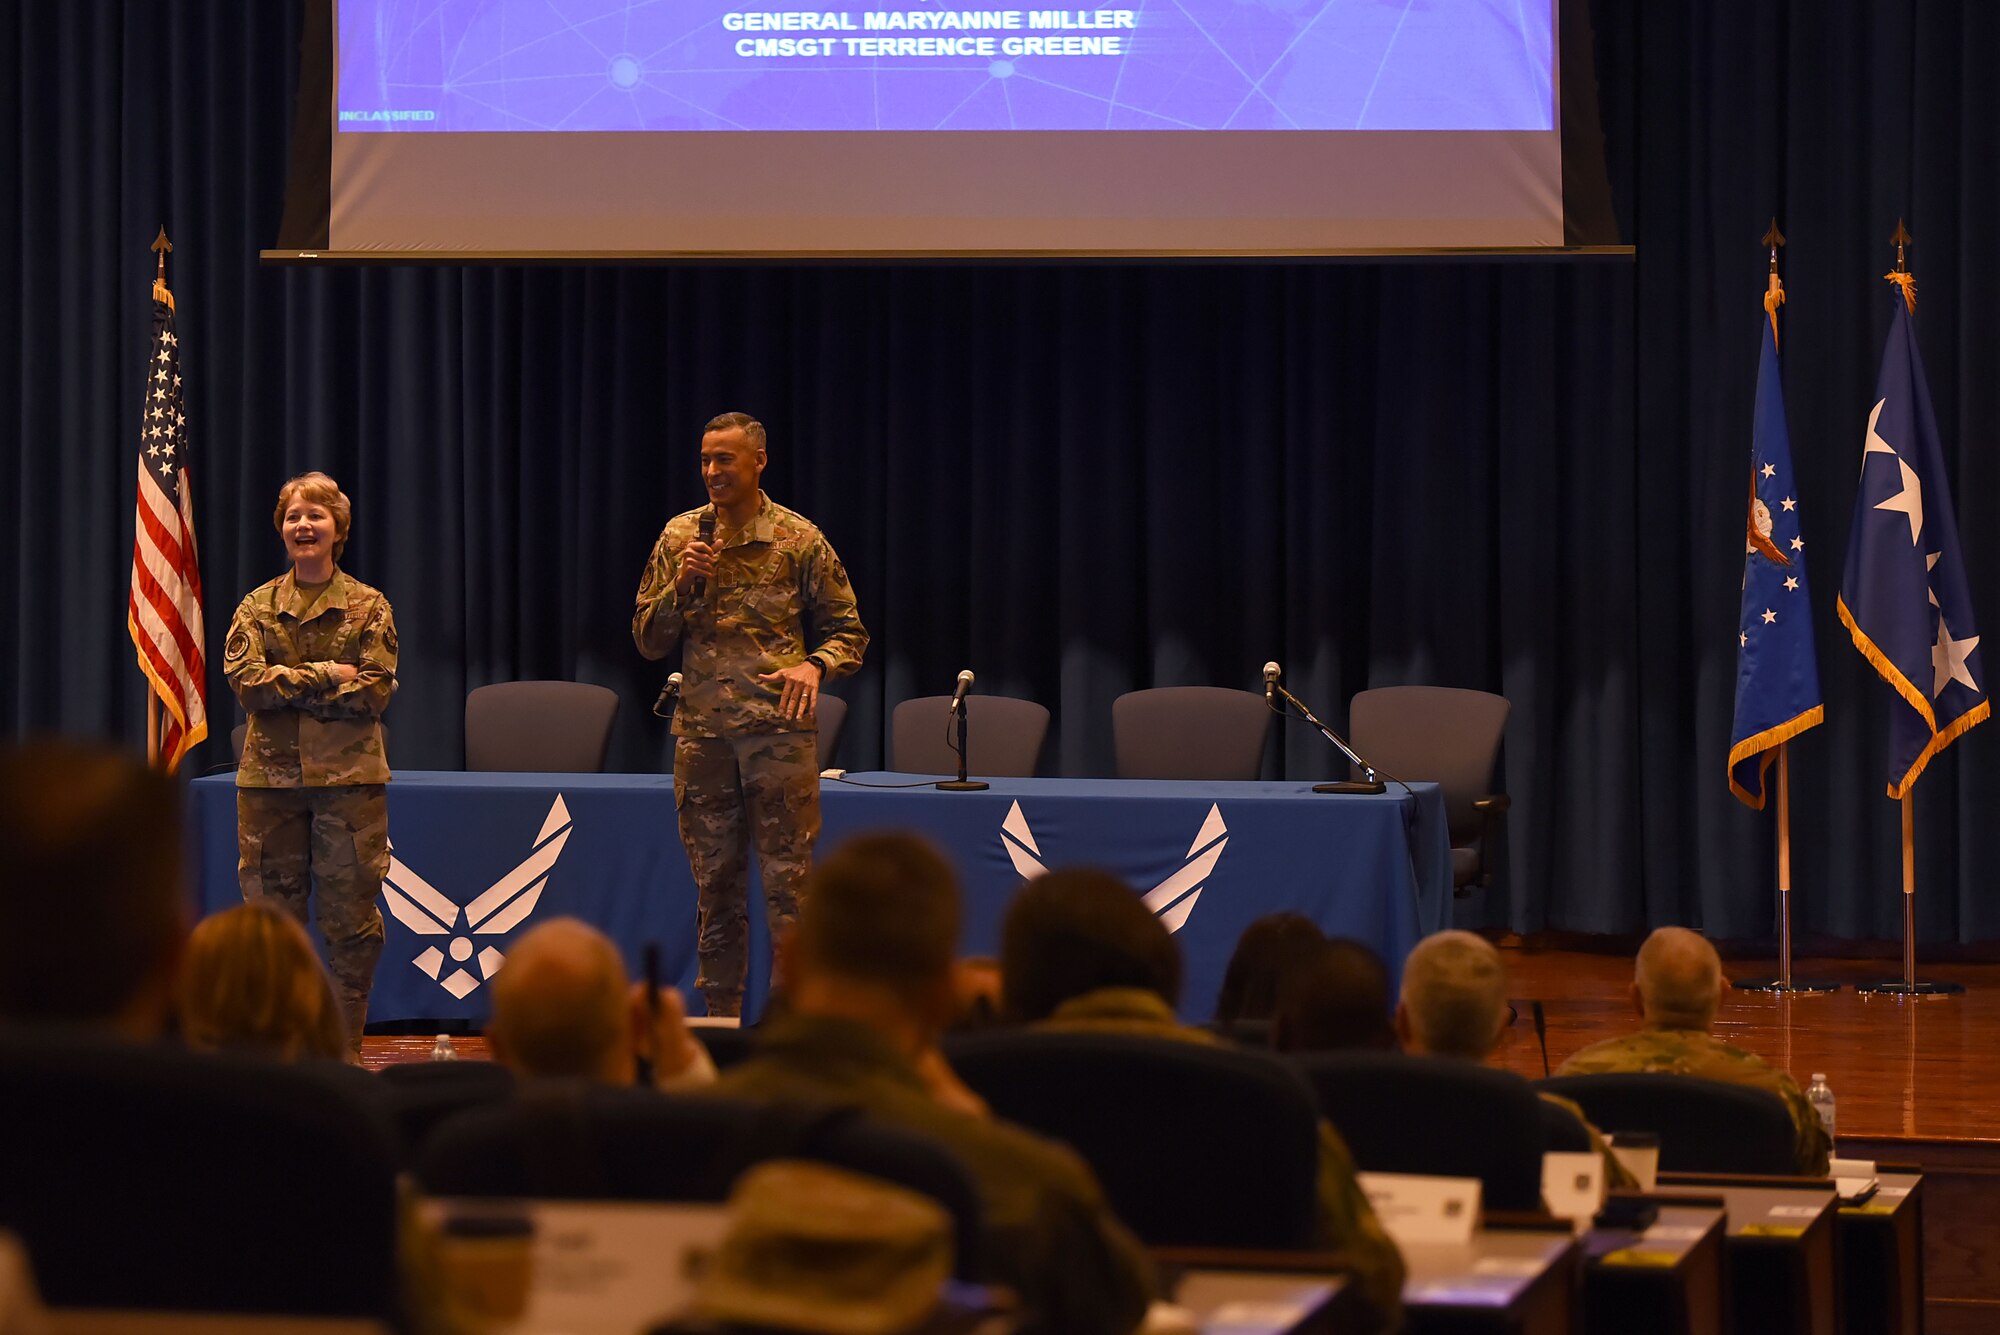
x,y
597,65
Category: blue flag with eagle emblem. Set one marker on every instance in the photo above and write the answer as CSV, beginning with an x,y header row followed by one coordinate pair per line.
x,y
1777,676
1903,597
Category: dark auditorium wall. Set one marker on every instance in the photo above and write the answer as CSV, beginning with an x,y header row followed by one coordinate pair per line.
x,y
1078,479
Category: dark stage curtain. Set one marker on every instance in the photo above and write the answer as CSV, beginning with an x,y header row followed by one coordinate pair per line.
x,y
1079,479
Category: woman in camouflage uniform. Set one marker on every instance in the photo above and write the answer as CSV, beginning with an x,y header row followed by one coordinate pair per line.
x,y
312,657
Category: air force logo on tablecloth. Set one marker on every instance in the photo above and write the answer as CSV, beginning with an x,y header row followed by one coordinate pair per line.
x,y
1172,899
498,910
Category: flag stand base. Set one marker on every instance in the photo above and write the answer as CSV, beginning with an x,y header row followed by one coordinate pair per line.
x,y
1780,986
1897,987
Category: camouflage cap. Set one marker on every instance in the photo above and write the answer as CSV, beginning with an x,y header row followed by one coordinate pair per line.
x,y
814,1248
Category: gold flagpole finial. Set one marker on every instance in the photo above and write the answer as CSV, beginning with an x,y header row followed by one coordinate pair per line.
x,y
1901,275
1774,288
160,247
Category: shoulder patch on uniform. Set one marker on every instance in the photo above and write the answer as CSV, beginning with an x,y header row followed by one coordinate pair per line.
x,y
238,646
389,637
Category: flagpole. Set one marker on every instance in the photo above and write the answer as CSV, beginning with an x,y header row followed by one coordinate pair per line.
x,y
1784,867
1909,889
1784,984
1909,986
160,248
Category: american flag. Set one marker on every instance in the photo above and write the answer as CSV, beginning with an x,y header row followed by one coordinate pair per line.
x,y
163,611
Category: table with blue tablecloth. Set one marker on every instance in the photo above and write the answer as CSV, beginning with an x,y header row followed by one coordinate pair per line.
x,y
480,858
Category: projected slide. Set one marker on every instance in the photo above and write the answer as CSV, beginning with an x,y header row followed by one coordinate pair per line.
x,y
415,66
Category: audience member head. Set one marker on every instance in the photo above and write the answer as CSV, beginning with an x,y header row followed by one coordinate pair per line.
x,y
252,982
1454,1000
1332,998
877,936
1078,930
92,902
561,1006
1267,950
1678,981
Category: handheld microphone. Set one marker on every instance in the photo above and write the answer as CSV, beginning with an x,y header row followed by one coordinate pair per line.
x,y
669,693
1270,682
958,696
1542,1036
705,532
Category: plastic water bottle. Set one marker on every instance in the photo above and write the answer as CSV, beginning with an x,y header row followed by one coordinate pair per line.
x,y
1820,1096
443,1051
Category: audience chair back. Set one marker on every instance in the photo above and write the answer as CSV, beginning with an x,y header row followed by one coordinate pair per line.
x,y
1003,736
1435,1115
1446,736
564,1141
830,714
1190,732
1704,1126
149,1178
539,727
423,1095
1196,1145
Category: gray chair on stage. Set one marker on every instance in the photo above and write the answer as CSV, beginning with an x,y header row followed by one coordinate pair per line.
x,y
1003,736
539,727
832,713
1190,732
1452,738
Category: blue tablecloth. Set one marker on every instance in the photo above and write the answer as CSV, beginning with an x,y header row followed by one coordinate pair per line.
x,y
480,857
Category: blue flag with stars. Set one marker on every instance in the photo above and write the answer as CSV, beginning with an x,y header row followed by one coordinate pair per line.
x,y
1904,597
1777,677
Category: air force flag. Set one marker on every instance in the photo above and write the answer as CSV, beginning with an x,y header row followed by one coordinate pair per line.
x,y
1903,596
1777,678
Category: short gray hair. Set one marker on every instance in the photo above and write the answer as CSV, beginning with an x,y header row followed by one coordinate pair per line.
x,y
1455,993
1679,977
752,429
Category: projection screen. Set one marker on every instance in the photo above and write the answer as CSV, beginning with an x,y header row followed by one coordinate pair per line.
x,y
450,129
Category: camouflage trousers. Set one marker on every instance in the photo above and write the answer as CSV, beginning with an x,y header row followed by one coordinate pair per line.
x,y
288,838
730,790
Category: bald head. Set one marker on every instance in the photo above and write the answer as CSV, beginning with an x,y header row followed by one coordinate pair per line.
x,y
1678,979
560,1006
1454,1000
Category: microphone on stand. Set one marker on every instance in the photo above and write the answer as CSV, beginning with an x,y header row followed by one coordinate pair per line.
x,y
669,695
960,707
704,532
1370,784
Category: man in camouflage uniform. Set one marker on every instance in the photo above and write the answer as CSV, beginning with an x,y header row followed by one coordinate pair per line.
x,y
1677,988
312,657
765,614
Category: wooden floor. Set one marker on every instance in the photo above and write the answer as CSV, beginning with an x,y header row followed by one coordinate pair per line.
x,y
1900,1068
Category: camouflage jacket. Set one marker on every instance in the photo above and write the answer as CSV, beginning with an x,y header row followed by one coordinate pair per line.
x,y
306,730
1347,1222
1697,1053
779,596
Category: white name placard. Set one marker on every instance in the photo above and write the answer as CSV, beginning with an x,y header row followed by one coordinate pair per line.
x,y
1573,1185
1418,1209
